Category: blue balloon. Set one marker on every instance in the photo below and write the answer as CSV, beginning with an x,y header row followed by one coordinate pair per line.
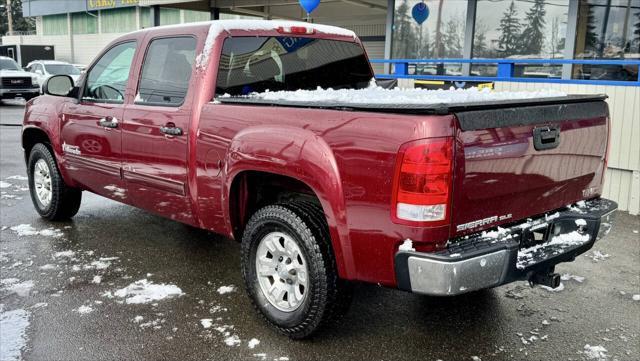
x,y
420,12
309,5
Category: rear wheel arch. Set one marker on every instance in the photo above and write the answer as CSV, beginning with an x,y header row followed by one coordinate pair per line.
x,y
251,190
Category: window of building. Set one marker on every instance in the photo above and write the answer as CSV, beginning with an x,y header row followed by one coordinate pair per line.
x,y
121,20
55,24
441,35
607,29
169,16
192,16
255,64
107,79
166,71
84,23
517,29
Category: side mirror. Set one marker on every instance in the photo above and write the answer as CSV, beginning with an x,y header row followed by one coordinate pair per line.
x,y
58,85
38,71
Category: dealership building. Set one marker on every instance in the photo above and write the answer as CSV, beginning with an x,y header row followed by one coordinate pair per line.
x,y
579,46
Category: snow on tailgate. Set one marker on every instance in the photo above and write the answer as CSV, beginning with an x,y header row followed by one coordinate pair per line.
x,y
378,95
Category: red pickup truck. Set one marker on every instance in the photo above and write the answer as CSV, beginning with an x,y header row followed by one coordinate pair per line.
x,y
435,198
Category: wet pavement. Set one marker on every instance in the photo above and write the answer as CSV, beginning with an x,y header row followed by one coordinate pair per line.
x,y
48,284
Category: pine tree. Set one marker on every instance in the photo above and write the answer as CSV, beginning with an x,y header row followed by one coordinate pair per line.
x,y
591,41
19,23
480,48
403,38
452,38
509,39
532,38
636,33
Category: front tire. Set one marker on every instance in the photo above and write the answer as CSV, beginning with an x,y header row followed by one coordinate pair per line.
x,y
289,269
52,198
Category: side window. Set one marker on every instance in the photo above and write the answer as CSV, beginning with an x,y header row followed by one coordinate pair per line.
x,y
166,71
107,79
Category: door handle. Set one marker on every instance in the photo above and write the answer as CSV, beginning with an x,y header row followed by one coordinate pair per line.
x,y
171,129
108,122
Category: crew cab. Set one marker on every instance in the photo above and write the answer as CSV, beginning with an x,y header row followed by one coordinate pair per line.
x,y
15,82
434,197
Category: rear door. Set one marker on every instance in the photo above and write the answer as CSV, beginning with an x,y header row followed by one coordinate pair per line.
x,y
91,129
156,127
520,161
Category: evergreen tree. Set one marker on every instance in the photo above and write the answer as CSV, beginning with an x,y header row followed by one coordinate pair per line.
x,y
405,37
636,34
591,37
532,38
452,38
480,48
20,24
509,39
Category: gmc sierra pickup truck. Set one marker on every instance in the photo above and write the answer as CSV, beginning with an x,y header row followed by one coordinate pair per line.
x,y
222,126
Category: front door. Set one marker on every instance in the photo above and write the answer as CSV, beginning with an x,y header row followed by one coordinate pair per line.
x,y
155,139
91,129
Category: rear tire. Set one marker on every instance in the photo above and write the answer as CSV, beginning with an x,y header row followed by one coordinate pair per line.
x,y
301,227
51,197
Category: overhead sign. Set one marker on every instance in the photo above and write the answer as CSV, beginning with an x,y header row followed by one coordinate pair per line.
x,y
110,4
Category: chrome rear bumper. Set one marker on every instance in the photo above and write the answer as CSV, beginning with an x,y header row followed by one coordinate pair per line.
x,y
481,261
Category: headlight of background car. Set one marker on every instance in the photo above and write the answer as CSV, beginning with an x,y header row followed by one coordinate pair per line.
x,y
34,80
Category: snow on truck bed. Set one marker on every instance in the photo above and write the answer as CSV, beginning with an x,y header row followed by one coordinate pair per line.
x,y
381,96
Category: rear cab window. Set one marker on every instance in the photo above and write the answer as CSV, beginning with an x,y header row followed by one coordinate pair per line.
x,y
166,71
274,63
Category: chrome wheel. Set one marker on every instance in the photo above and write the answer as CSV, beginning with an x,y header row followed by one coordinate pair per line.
x,y
282,271
42,182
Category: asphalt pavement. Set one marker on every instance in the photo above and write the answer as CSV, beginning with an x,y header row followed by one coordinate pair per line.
x,y
64,287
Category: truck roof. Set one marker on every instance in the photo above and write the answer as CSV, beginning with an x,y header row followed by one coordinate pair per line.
x,y
218,26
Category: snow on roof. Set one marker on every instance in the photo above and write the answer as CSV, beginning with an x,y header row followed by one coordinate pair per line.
x,y
378,95
218,27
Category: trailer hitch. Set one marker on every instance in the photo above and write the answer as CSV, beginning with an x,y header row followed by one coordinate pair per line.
x,y
548,278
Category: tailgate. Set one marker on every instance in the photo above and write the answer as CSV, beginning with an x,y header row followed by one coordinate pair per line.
x,y
518,161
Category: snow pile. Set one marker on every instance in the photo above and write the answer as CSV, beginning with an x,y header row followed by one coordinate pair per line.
x,y
18,177
598,256
4,184
144,291
13,326
232,340
83,310
636,297
28,230
226,289
527,256
595,353
222,26
378,95
13,285
560,288
253,343
567,277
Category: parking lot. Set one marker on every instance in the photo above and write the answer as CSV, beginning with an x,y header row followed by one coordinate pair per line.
x,y
68,290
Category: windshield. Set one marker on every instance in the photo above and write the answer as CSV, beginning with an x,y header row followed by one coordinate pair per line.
x,y
66,69
8,64
256,64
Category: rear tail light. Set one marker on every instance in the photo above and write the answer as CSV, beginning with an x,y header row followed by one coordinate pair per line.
x,y
298,30
422,182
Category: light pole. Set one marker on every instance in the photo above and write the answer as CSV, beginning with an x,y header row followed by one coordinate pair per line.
x,y
9,18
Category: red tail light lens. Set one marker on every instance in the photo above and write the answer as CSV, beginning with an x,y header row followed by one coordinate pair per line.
x,y
422,182
298,30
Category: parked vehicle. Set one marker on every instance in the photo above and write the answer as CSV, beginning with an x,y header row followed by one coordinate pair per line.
x,y
24,54
43,69
438,199
15,82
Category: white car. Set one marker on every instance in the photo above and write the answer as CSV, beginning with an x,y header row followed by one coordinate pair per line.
x,y
44,69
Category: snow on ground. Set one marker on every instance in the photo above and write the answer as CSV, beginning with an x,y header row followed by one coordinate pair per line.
x,y
4,184
253,343
232,340
28,230
13,285
635,297
557,289
378,95
13,327
144,291
65,254
598,256
226,289
96,279
595,353
567,277
84,309
206,322
18,177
